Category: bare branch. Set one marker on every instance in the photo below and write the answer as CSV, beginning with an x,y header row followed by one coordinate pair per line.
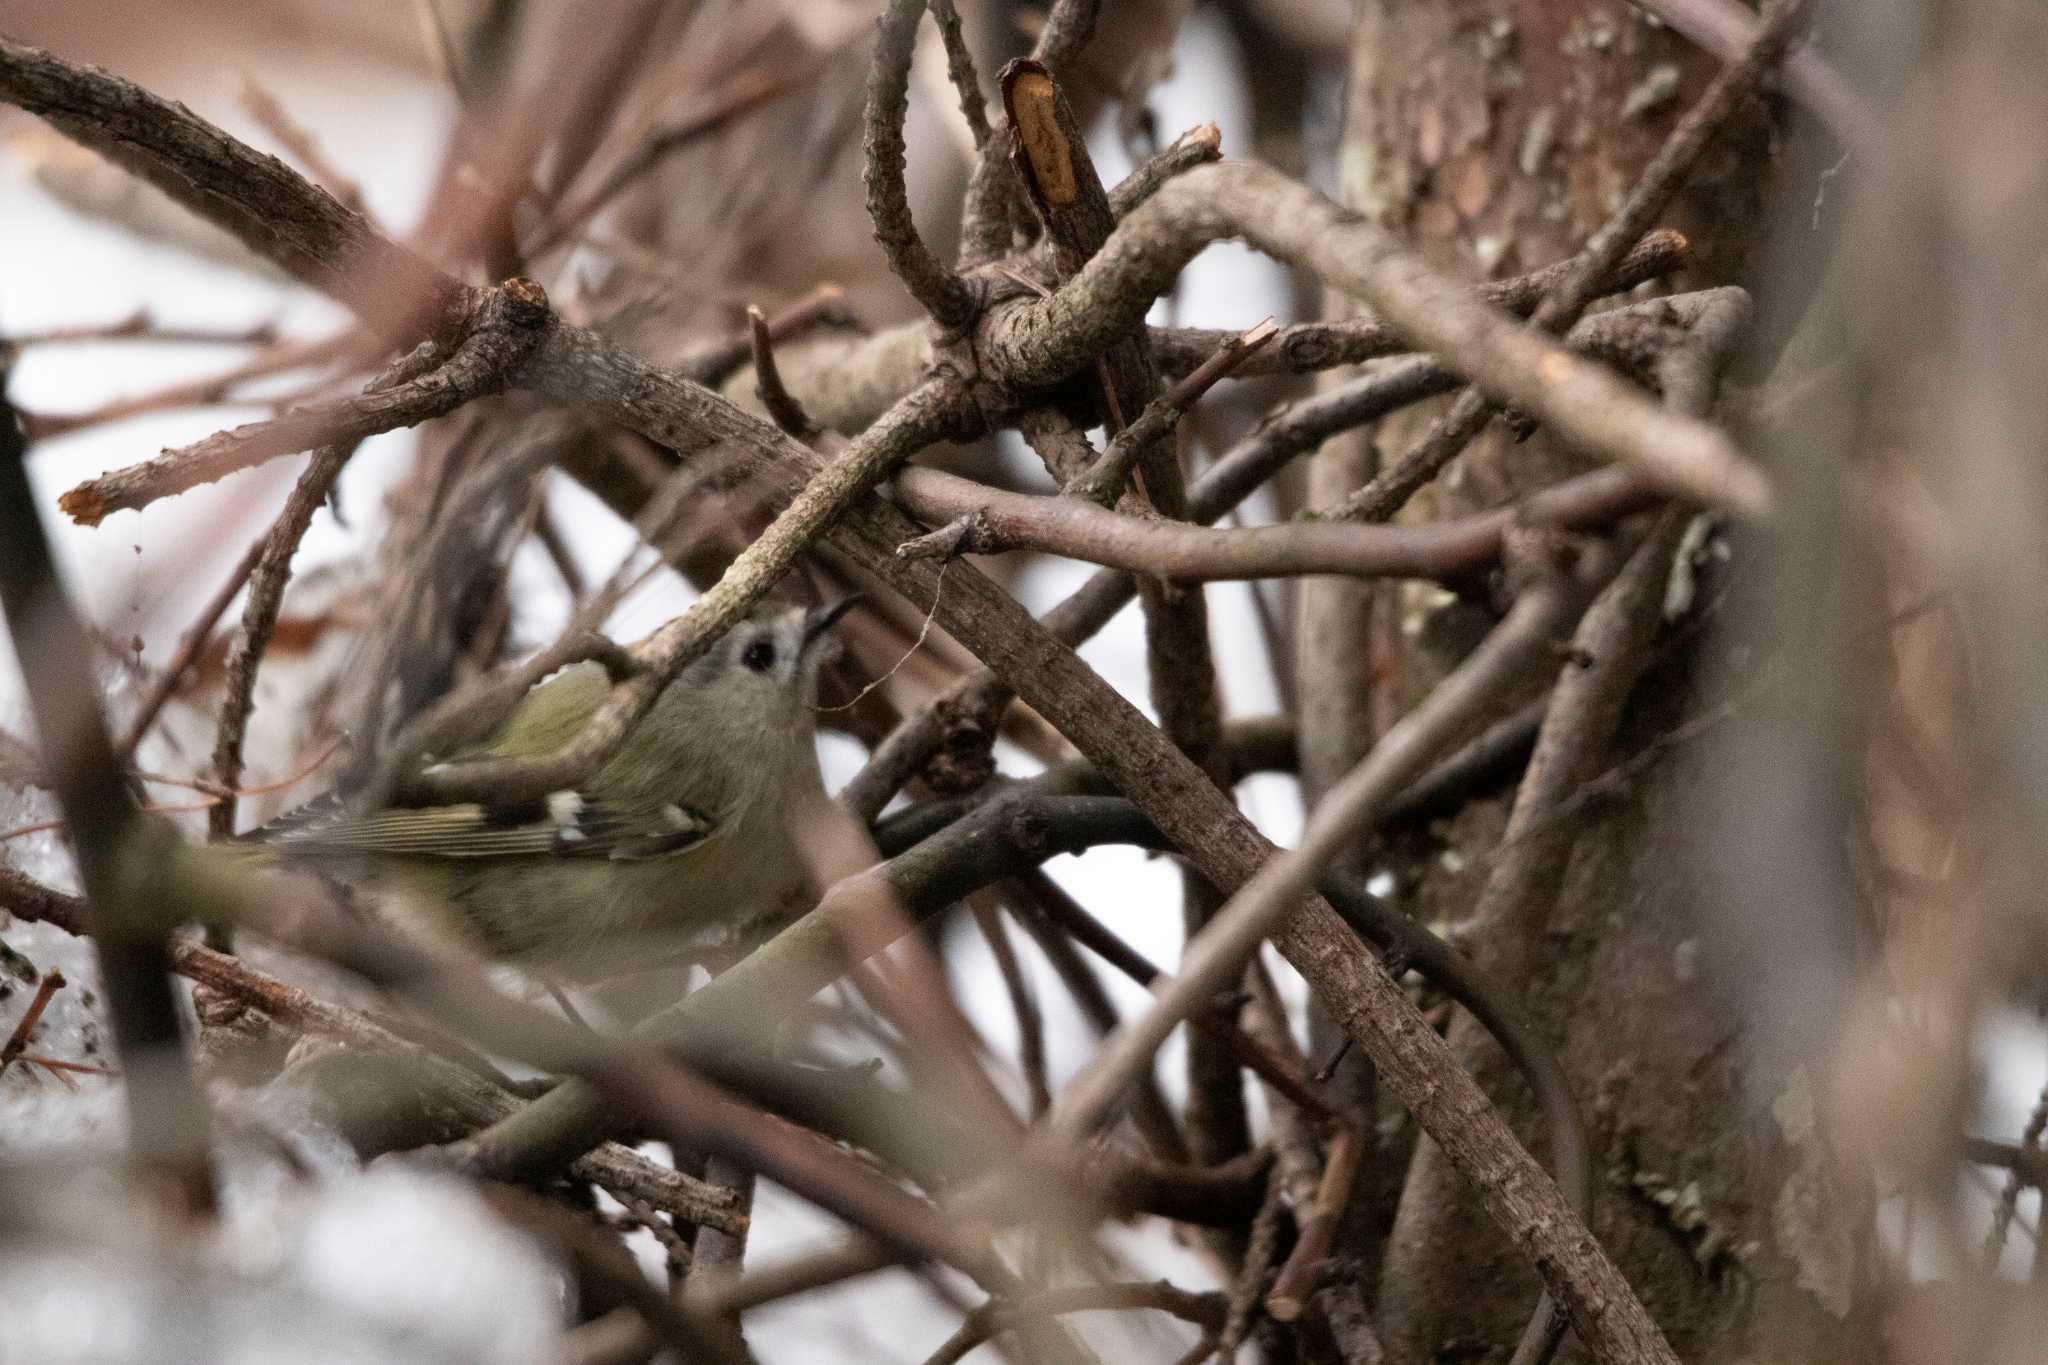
x,y
269,207
1040,342
960,67
977,518
1214,957
259,619
1208,829
1198,146
1103,482
503,331
944,295
187,650
785,410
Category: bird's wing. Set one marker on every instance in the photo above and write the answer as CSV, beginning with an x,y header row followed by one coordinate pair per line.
x,y
563,824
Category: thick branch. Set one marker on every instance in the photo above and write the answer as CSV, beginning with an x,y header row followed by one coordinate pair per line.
x,y
1030,342
269,207
1212,834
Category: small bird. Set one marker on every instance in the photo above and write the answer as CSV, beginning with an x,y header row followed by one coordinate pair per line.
x,y
693,817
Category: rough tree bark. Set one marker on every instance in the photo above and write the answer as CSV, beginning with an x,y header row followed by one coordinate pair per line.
x,y
1494,132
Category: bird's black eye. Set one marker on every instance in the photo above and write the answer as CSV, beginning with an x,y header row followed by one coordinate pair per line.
x,y
759,655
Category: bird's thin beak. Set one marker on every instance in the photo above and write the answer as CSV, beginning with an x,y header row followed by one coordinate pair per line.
x,y
818,620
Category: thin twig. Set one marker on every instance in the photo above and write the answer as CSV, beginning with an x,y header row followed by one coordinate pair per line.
x,y
259,619
1103,482
977,518
785,410
1305,1265
1038,342
187,650
1212,960
500,335
930,413
1198,146
17,1041
824,306
140,326
746,91
960,68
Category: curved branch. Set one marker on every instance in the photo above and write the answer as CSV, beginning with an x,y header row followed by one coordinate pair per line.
x,y
1444,551
980,697
259,621
947,297
1029,342
266,205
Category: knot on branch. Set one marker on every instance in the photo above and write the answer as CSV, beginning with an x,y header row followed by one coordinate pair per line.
x,y
969,534
1310,349
1027,829
965,761
525,302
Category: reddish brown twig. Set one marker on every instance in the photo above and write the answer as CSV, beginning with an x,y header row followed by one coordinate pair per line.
x,y
785,410
743,93
345,348
139,326
52,982
1306,1264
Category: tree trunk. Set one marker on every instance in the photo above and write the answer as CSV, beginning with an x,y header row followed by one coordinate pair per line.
x,y
1498,135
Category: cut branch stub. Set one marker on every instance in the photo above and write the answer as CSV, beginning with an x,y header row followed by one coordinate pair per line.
x,y
1045,156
